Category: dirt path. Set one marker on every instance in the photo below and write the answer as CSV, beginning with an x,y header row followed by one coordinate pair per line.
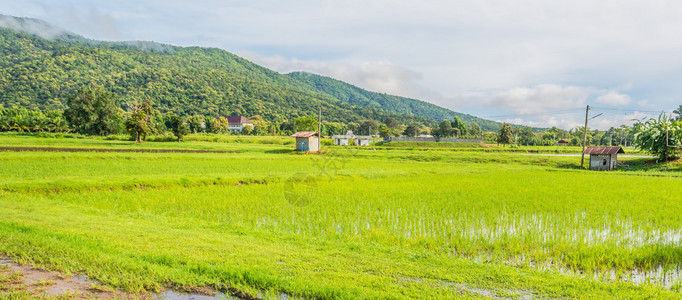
x,y
17,280
52,149
22,281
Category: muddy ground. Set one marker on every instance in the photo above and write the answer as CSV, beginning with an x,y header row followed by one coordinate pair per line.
x,y
31,282
23,281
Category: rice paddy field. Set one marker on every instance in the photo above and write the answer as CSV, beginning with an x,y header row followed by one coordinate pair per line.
x,y
254,219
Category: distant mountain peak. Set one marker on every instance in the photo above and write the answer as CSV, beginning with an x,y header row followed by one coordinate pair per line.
x,y
32,26
48,31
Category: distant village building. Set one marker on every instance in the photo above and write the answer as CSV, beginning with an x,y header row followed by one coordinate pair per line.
x,y
237,123
343,139
307,141
562,143
603,158
363,140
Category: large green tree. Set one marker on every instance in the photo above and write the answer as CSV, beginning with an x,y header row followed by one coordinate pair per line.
x,y
392,123
384,131
368,127
93,110
308,123
459,125
527,136
178,126
506,134
474,129
137,125
444,129
195,123
411,131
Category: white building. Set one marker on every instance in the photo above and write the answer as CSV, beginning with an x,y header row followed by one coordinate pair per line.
x,y
343,140
237,123
363,140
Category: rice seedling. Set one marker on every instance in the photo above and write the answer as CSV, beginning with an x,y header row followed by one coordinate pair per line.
x,y
346,224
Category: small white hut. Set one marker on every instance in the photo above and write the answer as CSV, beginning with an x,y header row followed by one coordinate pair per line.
x,y
307,141
603,158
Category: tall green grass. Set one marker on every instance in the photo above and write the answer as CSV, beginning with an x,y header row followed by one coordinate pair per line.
x,y
350,223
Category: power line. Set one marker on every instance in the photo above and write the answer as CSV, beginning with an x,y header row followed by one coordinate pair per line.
x,y
576,110
627,109
547,113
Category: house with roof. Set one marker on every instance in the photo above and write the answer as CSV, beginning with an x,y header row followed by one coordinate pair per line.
x,y
307,141
363,140
237,123
343,139
603,158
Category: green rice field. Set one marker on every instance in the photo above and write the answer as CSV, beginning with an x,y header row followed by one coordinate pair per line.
x,y
386,222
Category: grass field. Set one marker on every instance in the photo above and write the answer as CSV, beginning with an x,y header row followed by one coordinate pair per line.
x,y
404,222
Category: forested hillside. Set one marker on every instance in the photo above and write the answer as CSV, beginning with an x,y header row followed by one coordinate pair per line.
x,y
39,74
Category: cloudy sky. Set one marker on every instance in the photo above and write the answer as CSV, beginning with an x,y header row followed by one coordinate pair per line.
x,y
529,62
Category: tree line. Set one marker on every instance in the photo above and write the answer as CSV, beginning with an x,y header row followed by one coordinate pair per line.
x,y
92,110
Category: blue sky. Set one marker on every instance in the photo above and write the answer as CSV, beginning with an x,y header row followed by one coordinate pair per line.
x,y
529,62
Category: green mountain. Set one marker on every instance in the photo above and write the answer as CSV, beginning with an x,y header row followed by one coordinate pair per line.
x,y
40,66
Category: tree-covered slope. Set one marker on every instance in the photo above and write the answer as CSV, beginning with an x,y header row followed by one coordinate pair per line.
x,y
40,66
388,103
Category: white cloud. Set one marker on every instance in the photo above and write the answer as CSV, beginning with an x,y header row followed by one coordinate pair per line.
x,y
545,122
614,98
539,98
378,76
570,121
549,105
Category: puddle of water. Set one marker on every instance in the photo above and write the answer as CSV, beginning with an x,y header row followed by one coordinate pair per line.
x,y
6,262
475,290
84,279
276,296
173,295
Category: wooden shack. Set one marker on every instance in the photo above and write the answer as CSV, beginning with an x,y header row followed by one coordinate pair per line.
x,y
603,158
307,141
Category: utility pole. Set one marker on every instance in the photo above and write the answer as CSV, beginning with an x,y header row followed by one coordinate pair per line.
x,y
666,143
319,131
582,160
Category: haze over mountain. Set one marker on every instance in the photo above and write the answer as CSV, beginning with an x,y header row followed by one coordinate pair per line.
x,y
42,65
